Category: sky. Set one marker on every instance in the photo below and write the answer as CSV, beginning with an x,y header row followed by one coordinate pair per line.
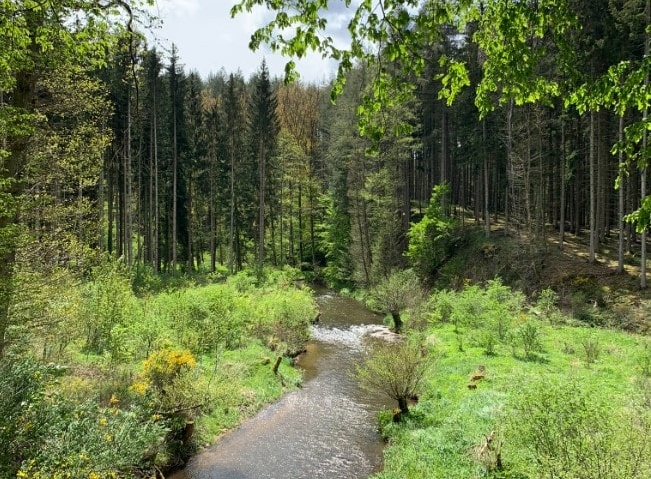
x,y
208,39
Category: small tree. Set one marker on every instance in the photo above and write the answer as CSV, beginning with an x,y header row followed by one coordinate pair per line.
x,y
431,238
400,291
396,370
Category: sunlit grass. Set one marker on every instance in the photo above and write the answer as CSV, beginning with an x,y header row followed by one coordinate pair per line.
x,y
243,382
455,414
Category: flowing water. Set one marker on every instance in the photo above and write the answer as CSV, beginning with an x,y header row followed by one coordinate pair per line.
x,y
326,429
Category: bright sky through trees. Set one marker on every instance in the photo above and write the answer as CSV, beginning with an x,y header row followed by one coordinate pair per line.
x,y
208,39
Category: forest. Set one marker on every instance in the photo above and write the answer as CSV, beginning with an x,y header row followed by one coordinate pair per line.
x,y
139,202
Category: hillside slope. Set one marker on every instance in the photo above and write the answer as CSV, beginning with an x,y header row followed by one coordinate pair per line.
x,y
592,292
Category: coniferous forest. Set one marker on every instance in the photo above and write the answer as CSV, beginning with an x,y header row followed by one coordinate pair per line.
x,y
156,225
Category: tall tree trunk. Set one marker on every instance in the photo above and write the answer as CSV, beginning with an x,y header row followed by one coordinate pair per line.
x,y
189,253
561,220
487,216
211,214
311,219
150,213
510,192
155,230
620,197
593,205
128,233
261,203
110,196
645,114
301,251
175,175
363,230
282,219
100,207
292,249
231,266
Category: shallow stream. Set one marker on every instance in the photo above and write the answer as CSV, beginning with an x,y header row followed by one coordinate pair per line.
x,y
326,429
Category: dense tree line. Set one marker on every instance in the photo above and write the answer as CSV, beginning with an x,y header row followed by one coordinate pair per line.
x,y
250,171
531,111
128,153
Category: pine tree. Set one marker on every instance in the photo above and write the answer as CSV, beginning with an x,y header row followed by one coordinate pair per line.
x,y
263,130
239,176
195,166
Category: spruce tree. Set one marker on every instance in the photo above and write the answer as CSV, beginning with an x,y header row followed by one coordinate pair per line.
x,y
263,130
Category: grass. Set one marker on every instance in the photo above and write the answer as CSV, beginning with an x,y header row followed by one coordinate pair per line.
x,y
244,383
446,430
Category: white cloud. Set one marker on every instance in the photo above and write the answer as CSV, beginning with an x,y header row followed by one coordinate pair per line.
x,y
179,8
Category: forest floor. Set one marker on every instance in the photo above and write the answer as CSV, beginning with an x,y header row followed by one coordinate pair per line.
x,y
594,290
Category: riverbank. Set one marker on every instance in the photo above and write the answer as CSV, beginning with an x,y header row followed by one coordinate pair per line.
x,y
520,390
126,385
245,384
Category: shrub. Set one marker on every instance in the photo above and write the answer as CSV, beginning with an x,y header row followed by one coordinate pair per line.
x,y
529,337
22,383
163,366
85,441
222,325
490,310
48,436
501,304
591,349
396,370
547,305
108,304
489,342
572,431
174,387
400,291
282,319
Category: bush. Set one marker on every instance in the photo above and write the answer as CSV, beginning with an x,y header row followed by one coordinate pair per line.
x,y
400,291
22,383
163,366
547,305
529,337
591,349
47,436
571,431
81,442
396,370
172,384
282,319
490,311
108,305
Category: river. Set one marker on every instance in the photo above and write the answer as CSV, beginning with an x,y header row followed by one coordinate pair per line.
x,y
326,429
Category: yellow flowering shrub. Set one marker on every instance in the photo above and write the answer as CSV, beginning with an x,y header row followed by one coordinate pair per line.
x,y
163,366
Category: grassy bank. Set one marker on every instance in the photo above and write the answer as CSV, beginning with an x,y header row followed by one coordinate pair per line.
x,y
120,386
521,390
245,382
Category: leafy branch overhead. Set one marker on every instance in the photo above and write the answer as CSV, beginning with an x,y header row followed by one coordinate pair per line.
x,y
517,41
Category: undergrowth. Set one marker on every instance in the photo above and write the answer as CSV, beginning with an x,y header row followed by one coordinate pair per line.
x,y
547,396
